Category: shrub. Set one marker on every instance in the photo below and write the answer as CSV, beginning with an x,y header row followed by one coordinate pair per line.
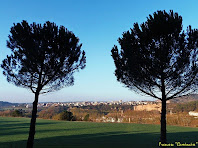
x,y
86,118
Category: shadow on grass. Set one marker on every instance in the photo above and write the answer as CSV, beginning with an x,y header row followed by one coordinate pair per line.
x,y
16,130
107,140
85,136
6,122
16,124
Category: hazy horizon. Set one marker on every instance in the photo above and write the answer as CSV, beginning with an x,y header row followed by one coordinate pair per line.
x,y
110,100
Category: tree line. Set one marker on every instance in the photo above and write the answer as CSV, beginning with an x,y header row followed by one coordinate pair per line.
x,y
186,107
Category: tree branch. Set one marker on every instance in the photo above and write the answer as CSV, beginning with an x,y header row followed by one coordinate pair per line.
x,y
147,93
187,85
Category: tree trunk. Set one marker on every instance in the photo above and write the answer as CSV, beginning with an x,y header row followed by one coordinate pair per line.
x,y
163,112
163,120
30,141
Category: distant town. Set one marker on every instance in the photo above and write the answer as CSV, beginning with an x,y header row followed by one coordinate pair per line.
x,y
88,103
110,111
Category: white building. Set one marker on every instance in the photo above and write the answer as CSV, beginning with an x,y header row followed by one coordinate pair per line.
x,y
193,113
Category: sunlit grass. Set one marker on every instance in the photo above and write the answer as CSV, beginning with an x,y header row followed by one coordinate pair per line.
x,y
51,133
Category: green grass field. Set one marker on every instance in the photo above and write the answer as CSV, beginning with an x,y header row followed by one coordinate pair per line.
x,y
56,134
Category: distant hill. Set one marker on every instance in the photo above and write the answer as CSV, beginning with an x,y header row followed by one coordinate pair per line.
x,y
184,99
6,104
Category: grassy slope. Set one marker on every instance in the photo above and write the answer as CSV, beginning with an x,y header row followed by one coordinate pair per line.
x,y
14,132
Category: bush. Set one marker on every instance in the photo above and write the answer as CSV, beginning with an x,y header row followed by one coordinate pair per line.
x,y
65,115
86,118
17,113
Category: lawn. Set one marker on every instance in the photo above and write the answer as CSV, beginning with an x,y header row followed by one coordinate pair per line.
x,y
56,134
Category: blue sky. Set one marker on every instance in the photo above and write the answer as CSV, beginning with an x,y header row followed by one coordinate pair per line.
x,y
98,24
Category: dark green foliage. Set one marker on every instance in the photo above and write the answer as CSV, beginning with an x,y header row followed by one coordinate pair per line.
x,y
43,59
86,118
65,115
17,113
158,59
155,50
